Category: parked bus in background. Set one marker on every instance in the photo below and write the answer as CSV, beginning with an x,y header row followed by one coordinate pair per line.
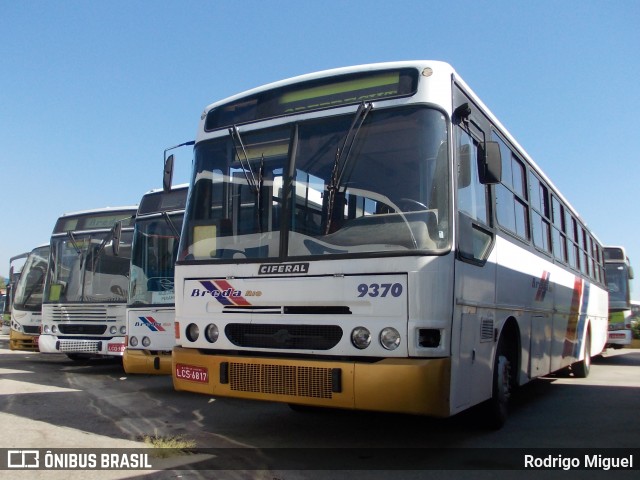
x,y
3,296
373,238
15,267
619,276
85,292
151,311
26,311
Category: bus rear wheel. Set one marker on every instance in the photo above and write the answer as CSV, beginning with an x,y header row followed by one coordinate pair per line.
x,y
582,368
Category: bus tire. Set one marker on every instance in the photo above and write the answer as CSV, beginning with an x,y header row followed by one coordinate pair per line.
x,y
582,368
497,407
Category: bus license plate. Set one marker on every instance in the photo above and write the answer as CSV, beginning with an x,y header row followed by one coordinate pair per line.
x,y
115,347
191,373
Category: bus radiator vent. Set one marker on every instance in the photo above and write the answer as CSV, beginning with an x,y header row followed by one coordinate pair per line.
x,y
297,381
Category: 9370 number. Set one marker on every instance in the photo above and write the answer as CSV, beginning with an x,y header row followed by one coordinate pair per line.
x,y
380,289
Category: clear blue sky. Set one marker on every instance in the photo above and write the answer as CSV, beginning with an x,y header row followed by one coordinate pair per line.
x,y
91,93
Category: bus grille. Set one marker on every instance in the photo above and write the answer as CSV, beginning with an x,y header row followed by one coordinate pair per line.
x,y
298,337
74,313
291,380
31,329
79,346
76,329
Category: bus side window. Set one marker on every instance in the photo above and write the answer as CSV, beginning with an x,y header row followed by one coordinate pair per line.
x,y
474,236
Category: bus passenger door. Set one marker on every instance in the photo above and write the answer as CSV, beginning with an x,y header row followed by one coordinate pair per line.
x,y
475,275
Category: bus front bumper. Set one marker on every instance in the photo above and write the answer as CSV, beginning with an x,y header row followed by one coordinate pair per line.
x,y
415,386
113,346
23,341
619,338
143,361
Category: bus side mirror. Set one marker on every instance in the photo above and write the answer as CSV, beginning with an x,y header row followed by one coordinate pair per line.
x,y
168,174
115,238
464,166
630,273
491,164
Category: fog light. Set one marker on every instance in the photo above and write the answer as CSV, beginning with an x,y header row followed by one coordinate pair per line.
x,y
113,330
361,337
429,337
123,330
390,338
211,333
193,332
133,341
146,341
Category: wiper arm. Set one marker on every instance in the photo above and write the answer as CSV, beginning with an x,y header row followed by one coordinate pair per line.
x,y
342,159
254,184
259,207
248,172
74,242
172,226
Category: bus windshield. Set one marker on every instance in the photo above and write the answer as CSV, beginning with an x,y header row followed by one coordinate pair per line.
x,y
84,268
617,283
30,286
333,186
155,246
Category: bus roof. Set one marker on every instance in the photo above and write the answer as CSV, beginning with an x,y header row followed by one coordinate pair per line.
x,y
173,187
100,210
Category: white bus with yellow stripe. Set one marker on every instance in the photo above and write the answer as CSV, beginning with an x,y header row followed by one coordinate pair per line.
x,y
373,238
26,310
619,276
150,310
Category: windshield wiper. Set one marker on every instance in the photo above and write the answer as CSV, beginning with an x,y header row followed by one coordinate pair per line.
x,y
248,172
342,159
74,243
172,226
254,184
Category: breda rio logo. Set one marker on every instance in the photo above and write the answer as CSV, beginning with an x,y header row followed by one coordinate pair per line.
x,y
222,291
150,323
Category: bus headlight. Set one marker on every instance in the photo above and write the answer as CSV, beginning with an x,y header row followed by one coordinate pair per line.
x,y
113,330
123,330
146,341
211,333
133,341
361,337
54,329
193,332
390,338
47,329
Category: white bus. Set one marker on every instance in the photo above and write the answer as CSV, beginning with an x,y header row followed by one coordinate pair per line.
x,y
26,310
373,238
150,311
619,275
16,263
85,293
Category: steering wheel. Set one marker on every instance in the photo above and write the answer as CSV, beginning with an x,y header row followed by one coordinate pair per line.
x,y
409,202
